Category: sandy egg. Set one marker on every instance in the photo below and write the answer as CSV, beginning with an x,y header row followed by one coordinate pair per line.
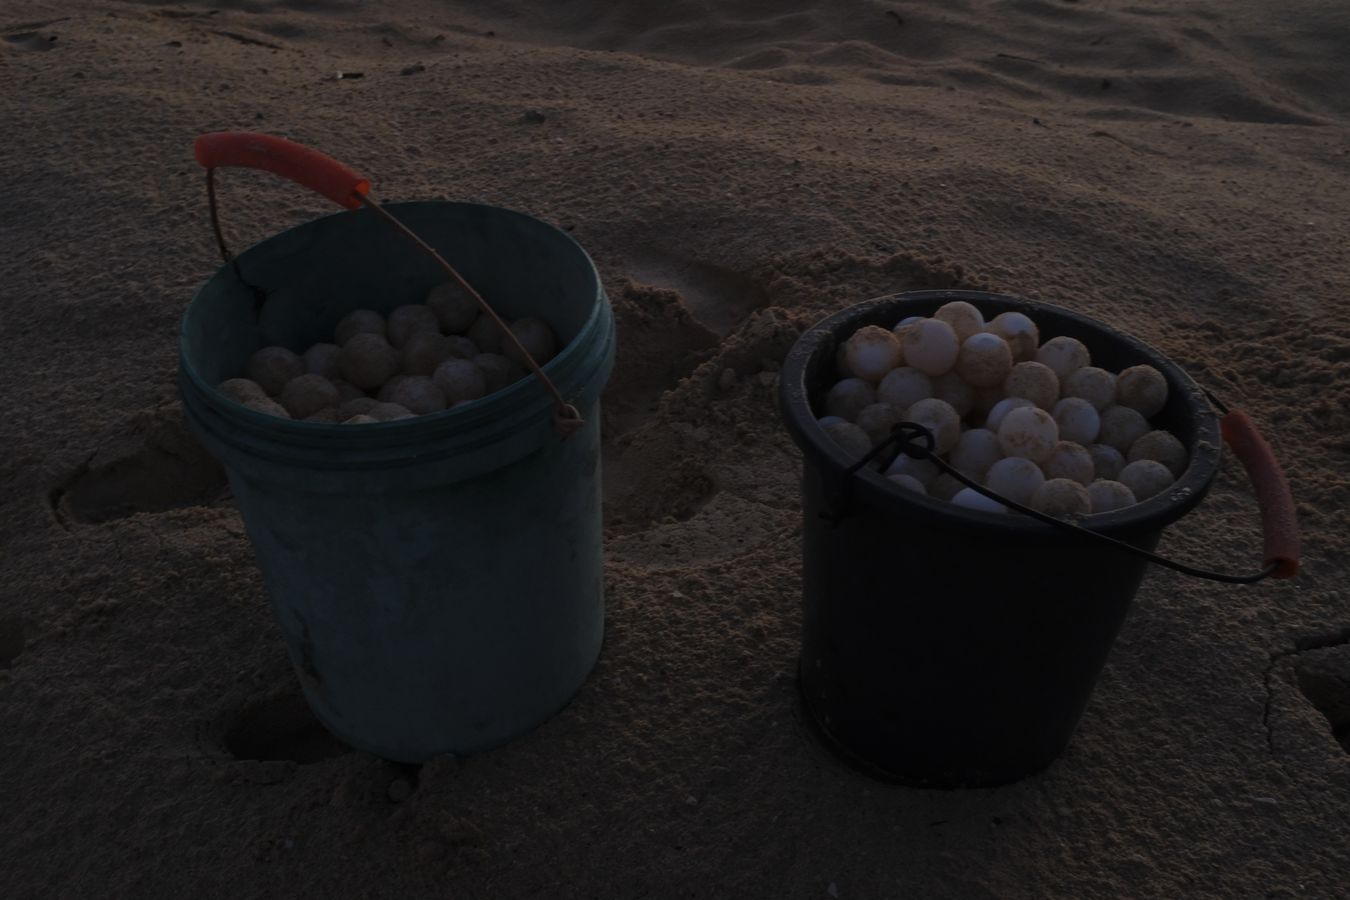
x,y
849,397
1020,333
1121,427
973,499
325,416
1145,478
536,337
931,347
423,351
407,320
455,309
878,420
956,392
939,418
1163,447
1142,388
1016,478
964,318
460,380
241,390
272,368
1077,419
1030,432
1096,386
267,405
368,361
358,321
1108,496
1035,381
419,394
851,439
1063,355
1061,497
386,391
903,387
499,371
1071,461
871,352
985,360
322,359
1002,408
307,394
461,347
1106,461
975,451
360,419
389,412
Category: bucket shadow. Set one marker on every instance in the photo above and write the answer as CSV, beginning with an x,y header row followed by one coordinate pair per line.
x,y
281,729
1324,678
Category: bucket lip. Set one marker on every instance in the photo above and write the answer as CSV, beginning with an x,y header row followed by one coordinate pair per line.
x,y
464,419
1149,516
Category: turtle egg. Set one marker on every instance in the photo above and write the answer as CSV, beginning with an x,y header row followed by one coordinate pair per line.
x,y
878,420
1121,427
326,416
1060,497
931,347
964,318
461,347
939,418
389,412
1064,356
1096,386
1015,478
1108,496
1002,408
357,407
973,499
908,482
921,470
322,359
850,438
418,394
307,394
945,487
360,419
536,337
1035,381
368,361
829,420
849,397
903,387
1019,331
486,334
1071,461
406,320
358,321
1106,461
346,390
1146,477
871,352
460,380
387,389
953,389
1077,420
267,405
273,368
985,360
499,371
1029,432
975,452
455,309
241,390
1163,447
1142,388
423,351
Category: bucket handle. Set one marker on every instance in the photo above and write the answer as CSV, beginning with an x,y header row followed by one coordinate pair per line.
x,y
1279,520
335,181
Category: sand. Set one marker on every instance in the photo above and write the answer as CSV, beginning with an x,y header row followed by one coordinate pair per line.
x,y
737,170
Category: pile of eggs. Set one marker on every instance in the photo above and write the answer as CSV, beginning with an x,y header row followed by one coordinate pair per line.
x,y
1036,423
421,359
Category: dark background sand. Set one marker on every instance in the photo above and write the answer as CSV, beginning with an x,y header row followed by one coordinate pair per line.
x,y
737,170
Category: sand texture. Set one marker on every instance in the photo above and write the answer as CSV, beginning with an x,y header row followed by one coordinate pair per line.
x,y
738,170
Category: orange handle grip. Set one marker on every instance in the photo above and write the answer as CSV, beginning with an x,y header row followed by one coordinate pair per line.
x,y
310,168
1279,523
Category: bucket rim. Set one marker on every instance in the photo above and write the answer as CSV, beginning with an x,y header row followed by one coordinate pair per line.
x,y
875,490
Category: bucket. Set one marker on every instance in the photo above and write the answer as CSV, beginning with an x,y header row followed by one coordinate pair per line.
x,y
438,580
950,647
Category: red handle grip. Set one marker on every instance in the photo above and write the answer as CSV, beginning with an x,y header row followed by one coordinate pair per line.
x,y
1279,523
310,168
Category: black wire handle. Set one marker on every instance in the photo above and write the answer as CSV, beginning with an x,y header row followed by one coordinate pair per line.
x,y
903,439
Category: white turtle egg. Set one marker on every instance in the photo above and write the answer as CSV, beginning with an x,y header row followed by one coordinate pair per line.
x,y
871,352
849,397
1020,333
1106,462
1016,478
963,317
1096,386
1002,408
1064,356
908,482
903,387
975,451
921,470
973,499
1108,496
1077,420
1028,432
939,418
931,347
1142,388
985,360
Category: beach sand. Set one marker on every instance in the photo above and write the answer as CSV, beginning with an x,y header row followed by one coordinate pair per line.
x,y
737,170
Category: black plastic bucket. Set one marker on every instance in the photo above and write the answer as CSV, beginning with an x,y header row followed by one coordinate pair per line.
x,y
951,647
